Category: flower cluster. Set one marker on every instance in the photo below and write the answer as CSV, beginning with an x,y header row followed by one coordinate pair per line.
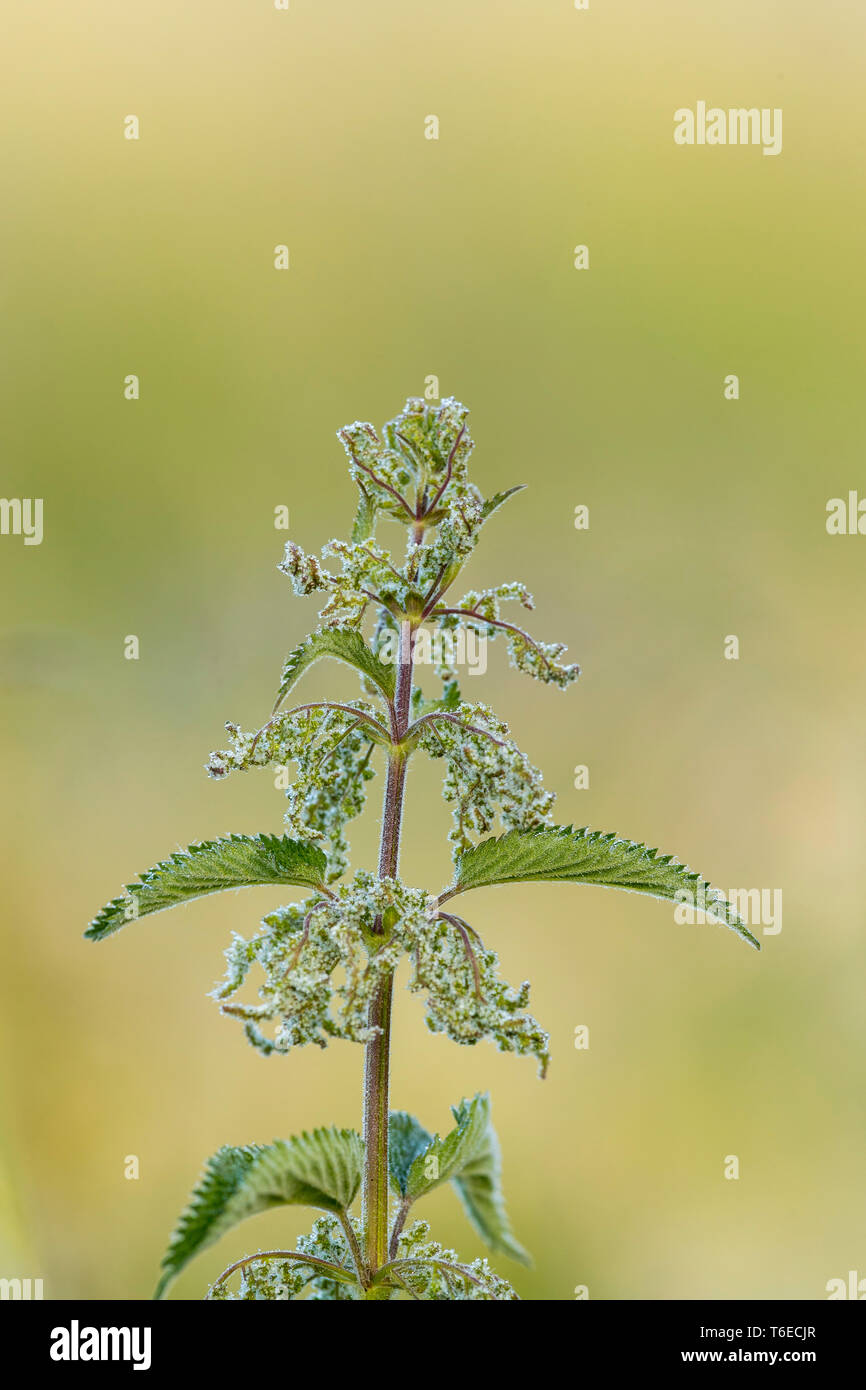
x,y
487,776
331,748
366,928
298,957
424,452
422,1269
287,1279
304,570
480,611
430,1272
367,575
466,999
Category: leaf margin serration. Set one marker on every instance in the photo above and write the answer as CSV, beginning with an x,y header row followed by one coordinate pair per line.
x,y
344,644
510,851
308,871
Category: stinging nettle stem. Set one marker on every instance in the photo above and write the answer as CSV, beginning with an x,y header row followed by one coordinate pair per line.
x,y
377,1059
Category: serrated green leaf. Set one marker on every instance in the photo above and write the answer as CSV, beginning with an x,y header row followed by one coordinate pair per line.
x,y
201,1221
238,861
469,1158
560,854
444,1159
407,1138
344,644
322,1169
480,1187
493,503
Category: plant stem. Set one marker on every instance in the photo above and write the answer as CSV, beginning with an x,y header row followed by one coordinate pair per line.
x,y
376,1089
377,1059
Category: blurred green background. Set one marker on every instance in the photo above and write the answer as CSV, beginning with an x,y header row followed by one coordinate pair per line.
x,y
412,257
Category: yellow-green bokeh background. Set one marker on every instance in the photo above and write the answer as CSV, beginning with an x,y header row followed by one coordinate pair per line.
x,y
411,257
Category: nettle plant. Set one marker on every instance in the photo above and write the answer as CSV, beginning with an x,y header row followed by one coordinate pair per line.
x,y
329,961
